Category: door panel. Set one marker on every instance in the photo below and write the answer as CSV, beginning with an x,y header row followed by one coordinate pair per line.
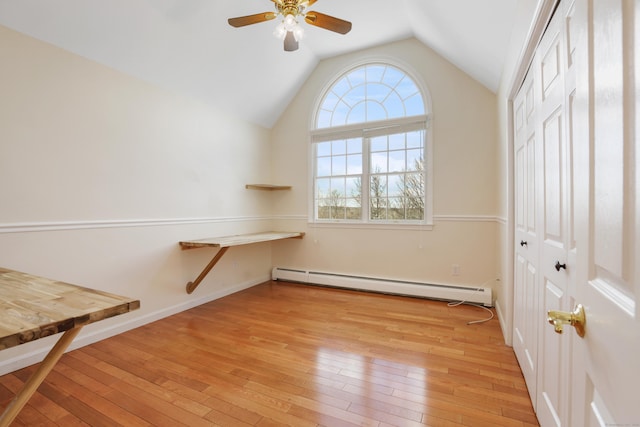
x,y
531,188
552,371
607,370
553,146
579,188
526,292
552,403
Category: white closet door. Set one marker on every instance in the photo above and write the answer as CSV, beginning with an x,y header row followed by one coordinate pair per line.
x,y
545,267
557,223
526,309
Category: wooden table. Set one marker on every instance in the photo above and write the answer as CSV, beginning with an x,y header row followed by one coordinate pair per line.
x,y
226,242
33,307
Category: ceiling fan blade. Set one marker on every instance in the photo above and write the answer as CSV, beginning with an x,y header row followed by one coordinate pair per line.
x,y
307,3
241,21
290,42
328,22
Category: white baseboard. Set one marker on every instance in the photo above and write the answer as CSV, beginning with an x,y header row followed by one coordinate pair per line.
x,y
86,338
506,333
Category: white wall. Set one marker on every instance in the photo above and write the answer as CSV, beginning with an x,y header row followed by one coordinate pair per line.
x,y
465,182
101,175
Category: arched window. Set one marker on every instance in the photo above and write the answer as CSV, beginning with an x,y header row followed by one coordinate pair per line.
x,y
371,149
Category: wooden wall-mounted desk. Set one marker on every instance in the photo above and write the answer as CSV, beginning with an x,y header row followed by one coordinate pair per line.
x,y
224,243
33,307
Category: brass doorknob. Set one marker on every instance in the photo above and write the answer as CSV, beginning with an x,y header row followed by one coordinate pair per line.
x,y
577,319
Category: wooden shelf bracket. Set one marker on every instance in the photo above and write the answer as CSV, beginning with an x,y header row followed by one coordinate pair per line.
x,y
224,243
191,286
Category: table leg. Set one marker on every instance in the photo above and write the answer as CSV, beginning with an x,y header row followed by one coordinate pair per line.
x,y
21,399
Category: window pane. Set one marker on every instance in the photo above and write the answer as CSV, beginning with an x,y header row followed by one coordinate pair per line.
x,y
378,92
355,96
396,185
340,114
379,162
406,88
357,77
358,114
415,214
379,143
354,164
415,139
397,161
414,160
323,166
414,105
339,165
338,147
324,119
338,212
341,87
330,101
322,187
414,194
396,208
378,209
354,145
323,149
394,106
354,188
354,210
322,211
376,111
392,77
337,187
396,142
375,73
378,187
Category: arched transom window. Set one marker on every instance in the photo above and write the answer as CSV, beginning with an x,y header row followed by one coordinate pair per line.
x,y
371,149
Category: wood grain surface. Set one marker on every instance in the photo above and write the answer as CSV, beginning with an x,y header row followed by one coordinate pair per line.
x,y
33,307
241,239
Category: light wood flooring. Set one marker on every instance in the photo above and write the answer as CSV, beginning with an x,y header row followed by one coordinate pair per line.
x,y
287,354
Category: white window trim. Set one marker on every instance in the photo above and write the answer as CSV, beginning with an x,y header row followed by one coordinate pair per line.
x,y
359,130
369,130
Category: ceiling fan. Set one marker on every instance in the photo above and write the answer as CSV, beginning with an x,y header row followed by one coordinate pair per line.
x,y
289,30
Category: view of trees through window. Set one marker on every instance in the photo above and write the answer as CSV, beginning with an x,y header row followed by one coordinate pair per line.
x,y
371,174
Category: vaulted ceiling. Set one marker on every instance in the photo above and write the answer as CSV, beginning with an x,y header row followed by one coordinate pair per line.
x,y
188,46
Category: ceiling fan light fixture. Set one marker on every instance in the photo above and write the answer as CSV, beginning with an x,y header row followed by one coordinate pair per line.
x,y
280,31
298,32
289,27
290,22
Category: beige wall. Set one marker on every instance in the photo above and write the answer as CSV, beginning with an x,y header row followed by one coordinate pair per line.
x,y
465,182
101,175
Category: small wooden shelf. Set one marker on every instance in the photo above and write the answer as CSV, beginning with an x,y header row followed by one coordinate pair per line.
x,y
224,243
268,187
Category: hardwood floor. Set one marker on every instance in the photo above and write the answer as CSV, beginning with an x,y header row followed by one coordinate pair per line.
x,y
286,354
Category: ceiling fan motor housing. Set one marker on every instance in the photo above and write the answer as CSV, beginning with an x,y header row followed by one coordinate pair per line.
x,y
289,7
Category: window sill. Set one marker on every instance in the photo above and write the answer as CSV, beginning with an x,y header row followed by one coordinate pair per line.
x,y
371,226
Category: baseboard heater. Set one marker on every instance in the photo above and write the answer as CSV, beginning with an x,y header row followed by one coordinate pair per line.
x,y
387,286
